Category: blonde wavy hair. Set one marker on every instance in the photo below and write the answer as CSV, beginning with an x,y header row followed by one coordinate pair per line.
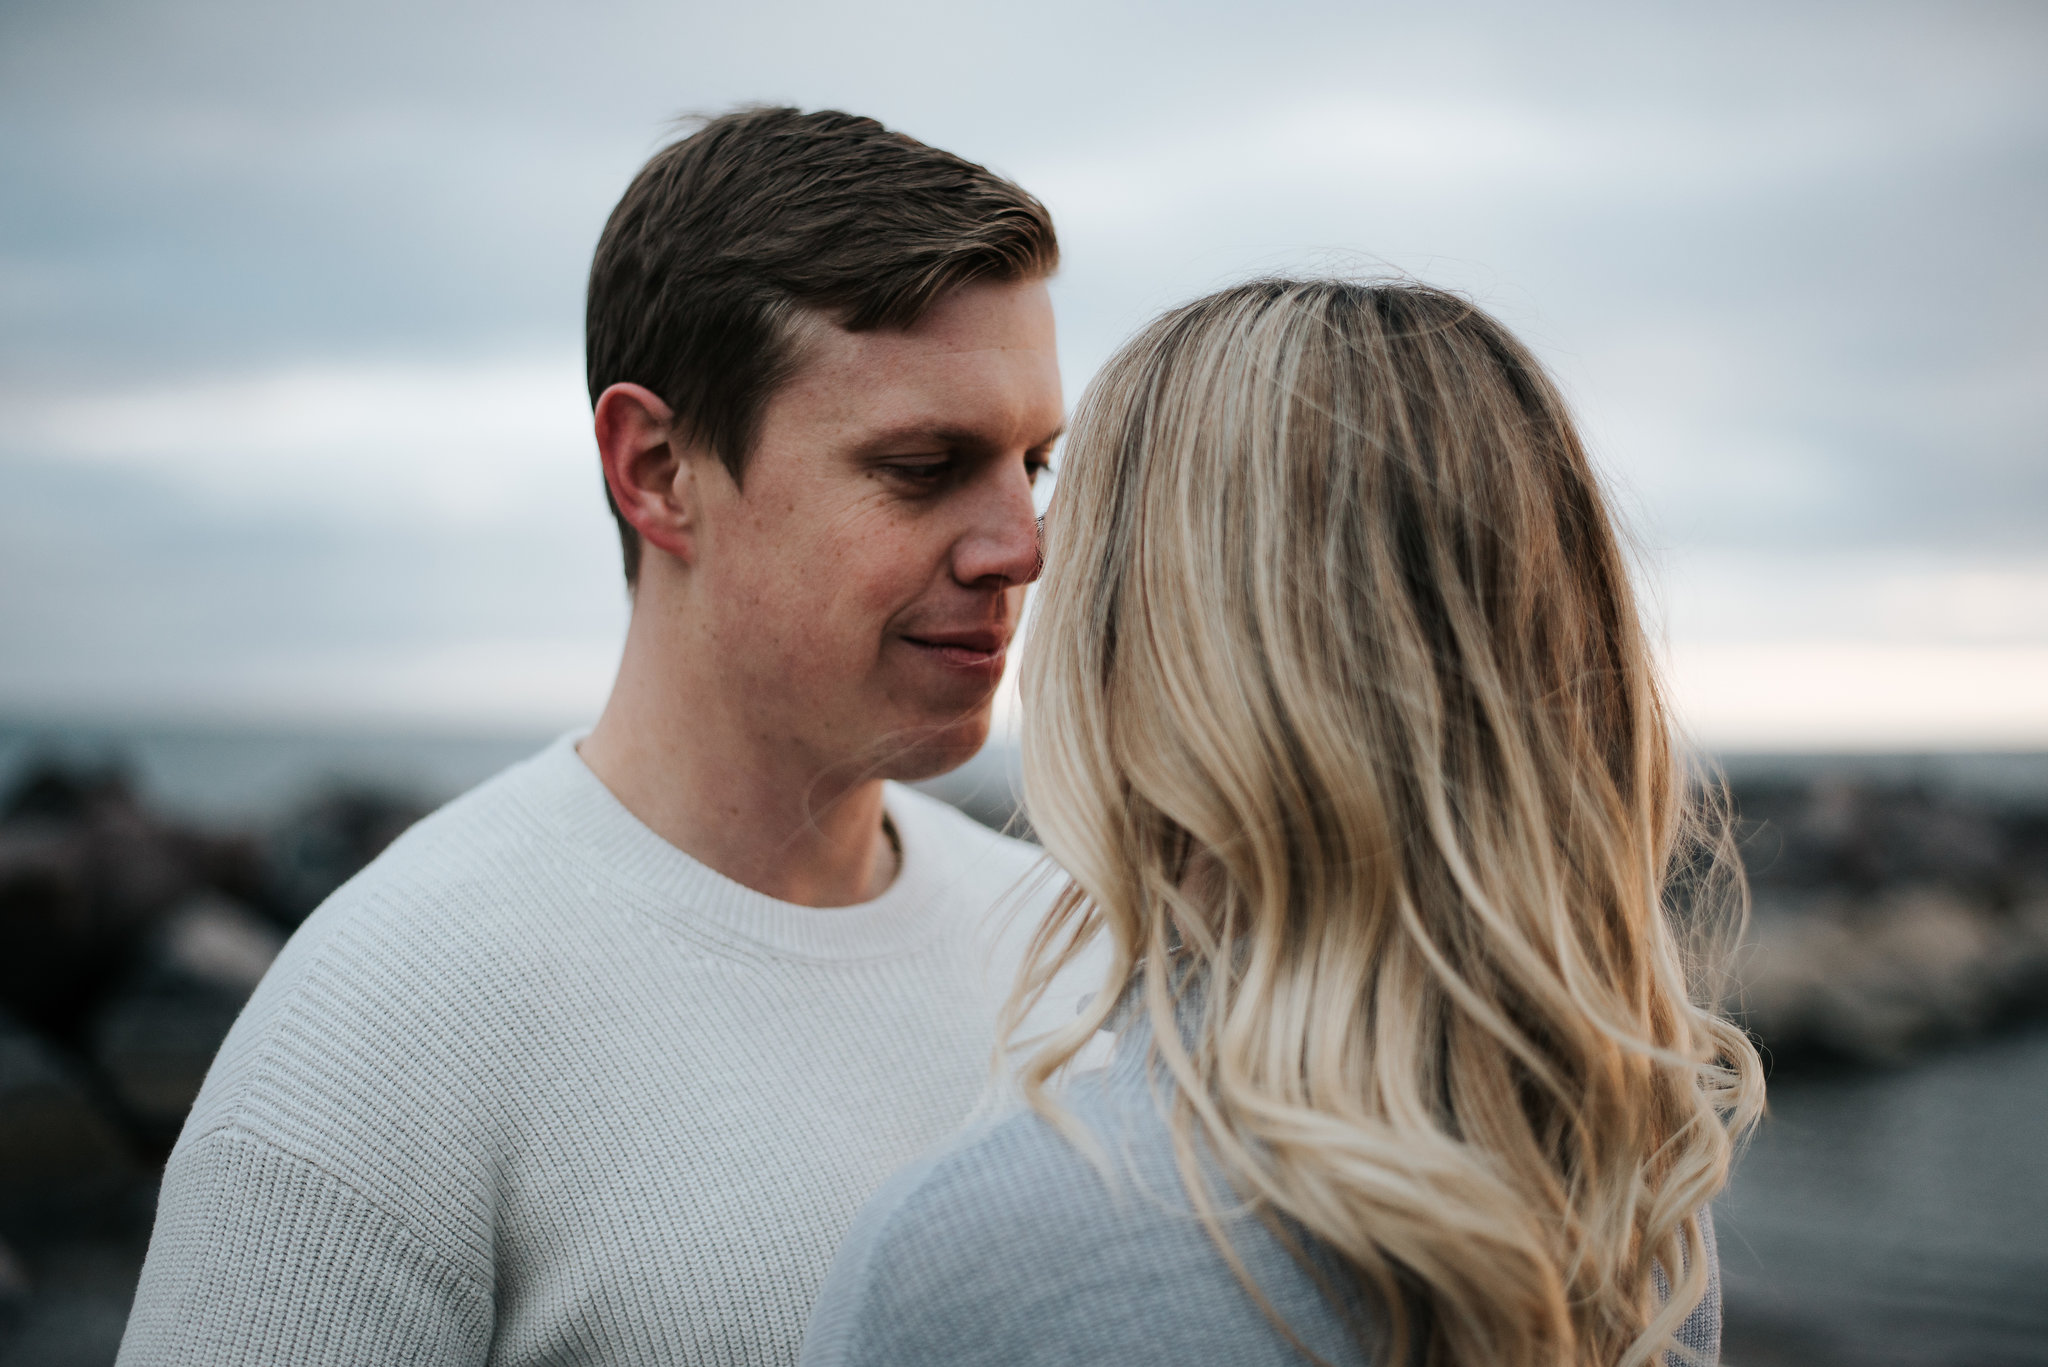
x,y
1341,719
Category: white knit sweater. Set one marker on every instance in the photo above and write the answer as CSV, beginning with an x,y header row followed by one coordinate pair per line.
x,y
538,1087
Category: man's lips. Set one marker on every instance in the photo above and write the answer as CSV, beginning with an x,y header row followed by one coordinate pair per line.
x,y
977,651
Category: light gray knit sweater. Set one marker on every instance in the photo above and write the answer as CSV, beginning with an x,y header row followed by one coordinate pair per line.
x,y
538,1087
1007,1247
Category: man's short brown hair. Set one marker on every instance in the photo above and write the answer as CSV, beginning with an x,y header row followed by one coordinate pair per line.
x,y
728,236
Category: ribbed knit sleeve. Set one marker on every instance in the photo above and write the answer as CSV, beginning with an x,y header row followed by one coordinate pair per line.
x,y
260,1257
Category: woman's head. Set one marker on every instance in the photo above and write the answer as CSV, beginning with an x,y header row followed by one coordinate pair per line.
x,y
1337,696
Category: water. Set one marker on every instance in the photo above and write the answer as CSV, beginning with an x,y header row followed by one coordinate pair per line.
x,y
1896,1218
248,777
223,775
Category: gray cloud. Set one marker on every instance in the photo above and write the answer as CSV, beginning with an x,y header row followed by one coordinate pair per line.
x,y
1788,261
128,593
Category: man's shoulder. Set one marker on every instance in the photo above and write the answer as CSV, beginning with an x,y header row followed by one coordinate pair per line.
x,y
497,832
371,1084
494,866
415,957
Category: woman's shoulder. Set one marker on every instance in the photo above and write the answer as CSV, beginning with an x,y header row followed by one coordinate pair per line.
x,y
1017,1244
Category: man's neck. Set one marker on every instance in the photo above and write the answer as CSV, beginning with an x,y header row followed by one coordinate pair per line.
x,y
760,816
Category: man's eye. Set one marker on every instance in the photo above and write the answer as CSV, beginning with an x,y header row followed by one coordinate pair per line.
x,y
919,471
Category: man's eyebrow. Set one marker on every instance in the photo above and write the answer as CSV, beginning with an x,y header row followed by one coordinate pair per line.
x,y
914,433
942,434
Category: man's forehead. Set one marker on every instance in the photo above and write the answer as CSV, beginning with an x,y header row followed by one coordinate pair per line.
x,y
983,315
910,358
961,381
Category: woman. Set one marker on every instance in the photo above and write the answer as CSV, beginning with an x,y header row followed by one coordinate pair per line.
x,y
1341,718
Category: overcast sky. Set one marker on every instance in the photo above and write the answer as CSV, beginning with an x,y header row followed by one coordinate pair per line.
x,y
291,418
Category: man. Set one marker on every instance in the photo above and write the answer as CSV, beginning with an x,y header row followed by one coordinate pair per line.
x,y
596,1063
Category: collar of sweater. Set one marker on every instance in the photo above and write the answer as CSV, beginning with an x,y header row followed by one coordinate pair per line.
x,y
617,849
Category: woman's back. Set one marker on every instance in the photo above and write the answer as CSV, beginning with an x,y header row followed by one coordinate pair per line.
x,y
1010,1245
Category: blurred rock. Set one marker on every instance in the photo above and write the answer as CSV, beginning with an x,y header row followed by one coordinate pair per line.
x,y
155,1039
63,1158
1888,919
51,946
215,942
128,945
14,1289
1873,982
84,874
137,864
83,1289
321,846
1856,836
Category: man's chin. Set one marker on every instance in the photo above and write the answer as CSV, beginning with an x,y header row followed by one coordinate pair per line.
x,y
915,753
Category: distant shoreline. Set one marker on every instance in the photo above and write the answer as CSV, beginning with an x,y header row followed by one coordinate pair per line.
x,y
218,770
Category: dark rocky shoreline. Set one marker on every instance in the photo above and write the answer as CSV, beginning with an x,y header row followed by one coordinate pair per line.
x,y
1887,920
128,944
1892,917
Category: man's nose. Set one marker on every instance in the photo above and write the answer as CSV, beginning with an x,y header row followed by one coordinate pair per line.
x,y
1002,546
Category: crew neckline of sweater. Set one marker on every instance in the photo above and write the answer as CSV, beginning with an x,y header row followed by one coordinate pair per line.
x,y
613,842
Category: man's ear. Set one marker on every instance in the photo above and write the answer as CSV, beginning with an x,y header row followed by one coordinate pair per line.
x,y
646,468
